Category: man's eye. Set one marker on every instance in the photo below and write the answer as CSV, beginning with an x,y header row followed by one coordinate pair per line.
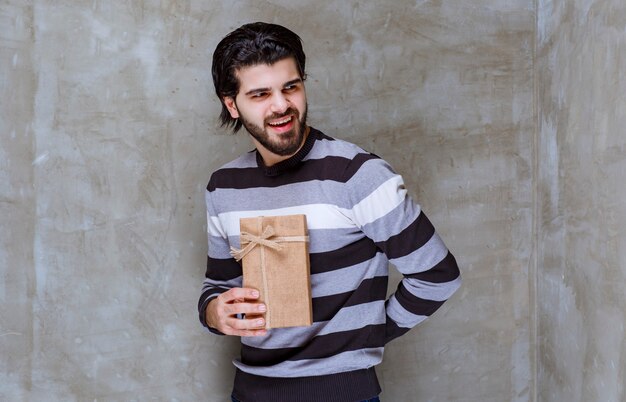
x,y
259,95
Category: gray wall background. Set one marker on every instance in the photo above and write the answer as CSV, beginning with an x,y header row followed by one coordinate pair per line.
x,y
581,204
505,117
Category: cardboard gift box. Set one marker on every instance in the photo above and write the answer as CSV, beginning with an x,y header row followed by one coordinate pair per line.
x,y
275,259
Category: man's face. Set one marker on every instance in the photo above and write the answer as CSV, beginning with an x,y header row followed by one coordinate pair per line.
x,y
271,105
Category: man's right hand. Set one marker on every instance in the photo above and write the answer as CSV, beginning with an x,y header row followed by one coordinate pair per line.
x,y
221,313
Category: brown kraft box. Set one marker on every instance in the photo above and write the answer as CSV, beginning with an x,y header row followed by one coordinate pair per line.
x,y
275,260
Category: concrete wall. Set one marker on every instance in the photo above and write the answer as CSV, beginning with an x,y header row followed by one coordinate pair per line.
x,y
581,211
108,134
17,201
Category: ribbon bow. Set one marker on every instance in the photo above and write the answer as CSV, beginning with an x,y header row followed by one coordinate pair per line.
x,y
250,241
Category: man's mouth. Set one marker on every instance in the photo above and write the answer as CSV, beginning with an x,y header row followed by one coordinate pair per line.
x,y
281,122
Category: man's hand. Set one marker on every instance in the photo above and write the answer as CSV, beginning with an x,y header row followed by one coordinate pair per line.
x,y
221,313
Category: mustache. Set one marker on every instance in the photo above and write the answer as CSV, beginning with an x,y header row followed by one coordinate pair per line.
x,y
285,113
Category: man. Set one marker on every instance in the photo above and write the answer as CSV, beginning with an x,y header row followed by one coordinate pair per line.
x,y
359,216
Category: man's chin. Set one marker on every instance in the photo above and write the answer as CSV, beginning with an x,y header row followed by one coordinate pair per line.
x,y
287,150
284,143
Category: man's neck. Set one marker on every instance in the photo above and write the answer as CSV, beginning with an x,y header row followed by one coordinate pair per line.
x,y
270,158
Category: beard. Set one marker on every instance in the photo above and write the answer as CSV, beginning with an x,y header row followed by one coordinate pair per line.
x,y
284,144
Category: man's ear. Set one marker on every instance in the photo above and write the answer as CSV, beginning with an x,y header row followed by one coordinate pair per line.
x,y
231,106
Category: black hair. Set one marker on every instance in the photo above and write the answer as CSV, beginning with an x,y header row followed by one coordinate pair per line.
x,y
249,45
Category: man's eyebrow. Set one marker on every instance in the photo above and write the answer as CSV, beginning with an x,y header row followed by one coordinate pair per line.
x,y
257,90
286,84
295,81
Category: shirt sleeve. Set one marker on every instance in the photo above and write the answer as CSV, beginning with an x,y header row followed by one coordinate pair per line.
x,y
386,214
222,271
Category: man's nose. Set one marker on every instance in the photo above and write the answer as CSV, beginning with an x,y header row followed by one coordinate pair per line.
x,y
279,103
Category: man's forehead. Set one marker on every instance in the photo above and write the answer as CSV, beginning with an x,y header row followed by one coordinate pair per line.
x,y
277,73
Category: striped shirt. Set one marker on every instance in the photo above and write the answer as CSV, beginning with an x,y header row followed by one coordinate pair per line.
x,y
360,218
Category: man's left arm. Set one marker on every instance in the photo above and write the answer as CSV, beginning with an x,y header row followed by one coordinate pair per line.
x,y
399,227
431,275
